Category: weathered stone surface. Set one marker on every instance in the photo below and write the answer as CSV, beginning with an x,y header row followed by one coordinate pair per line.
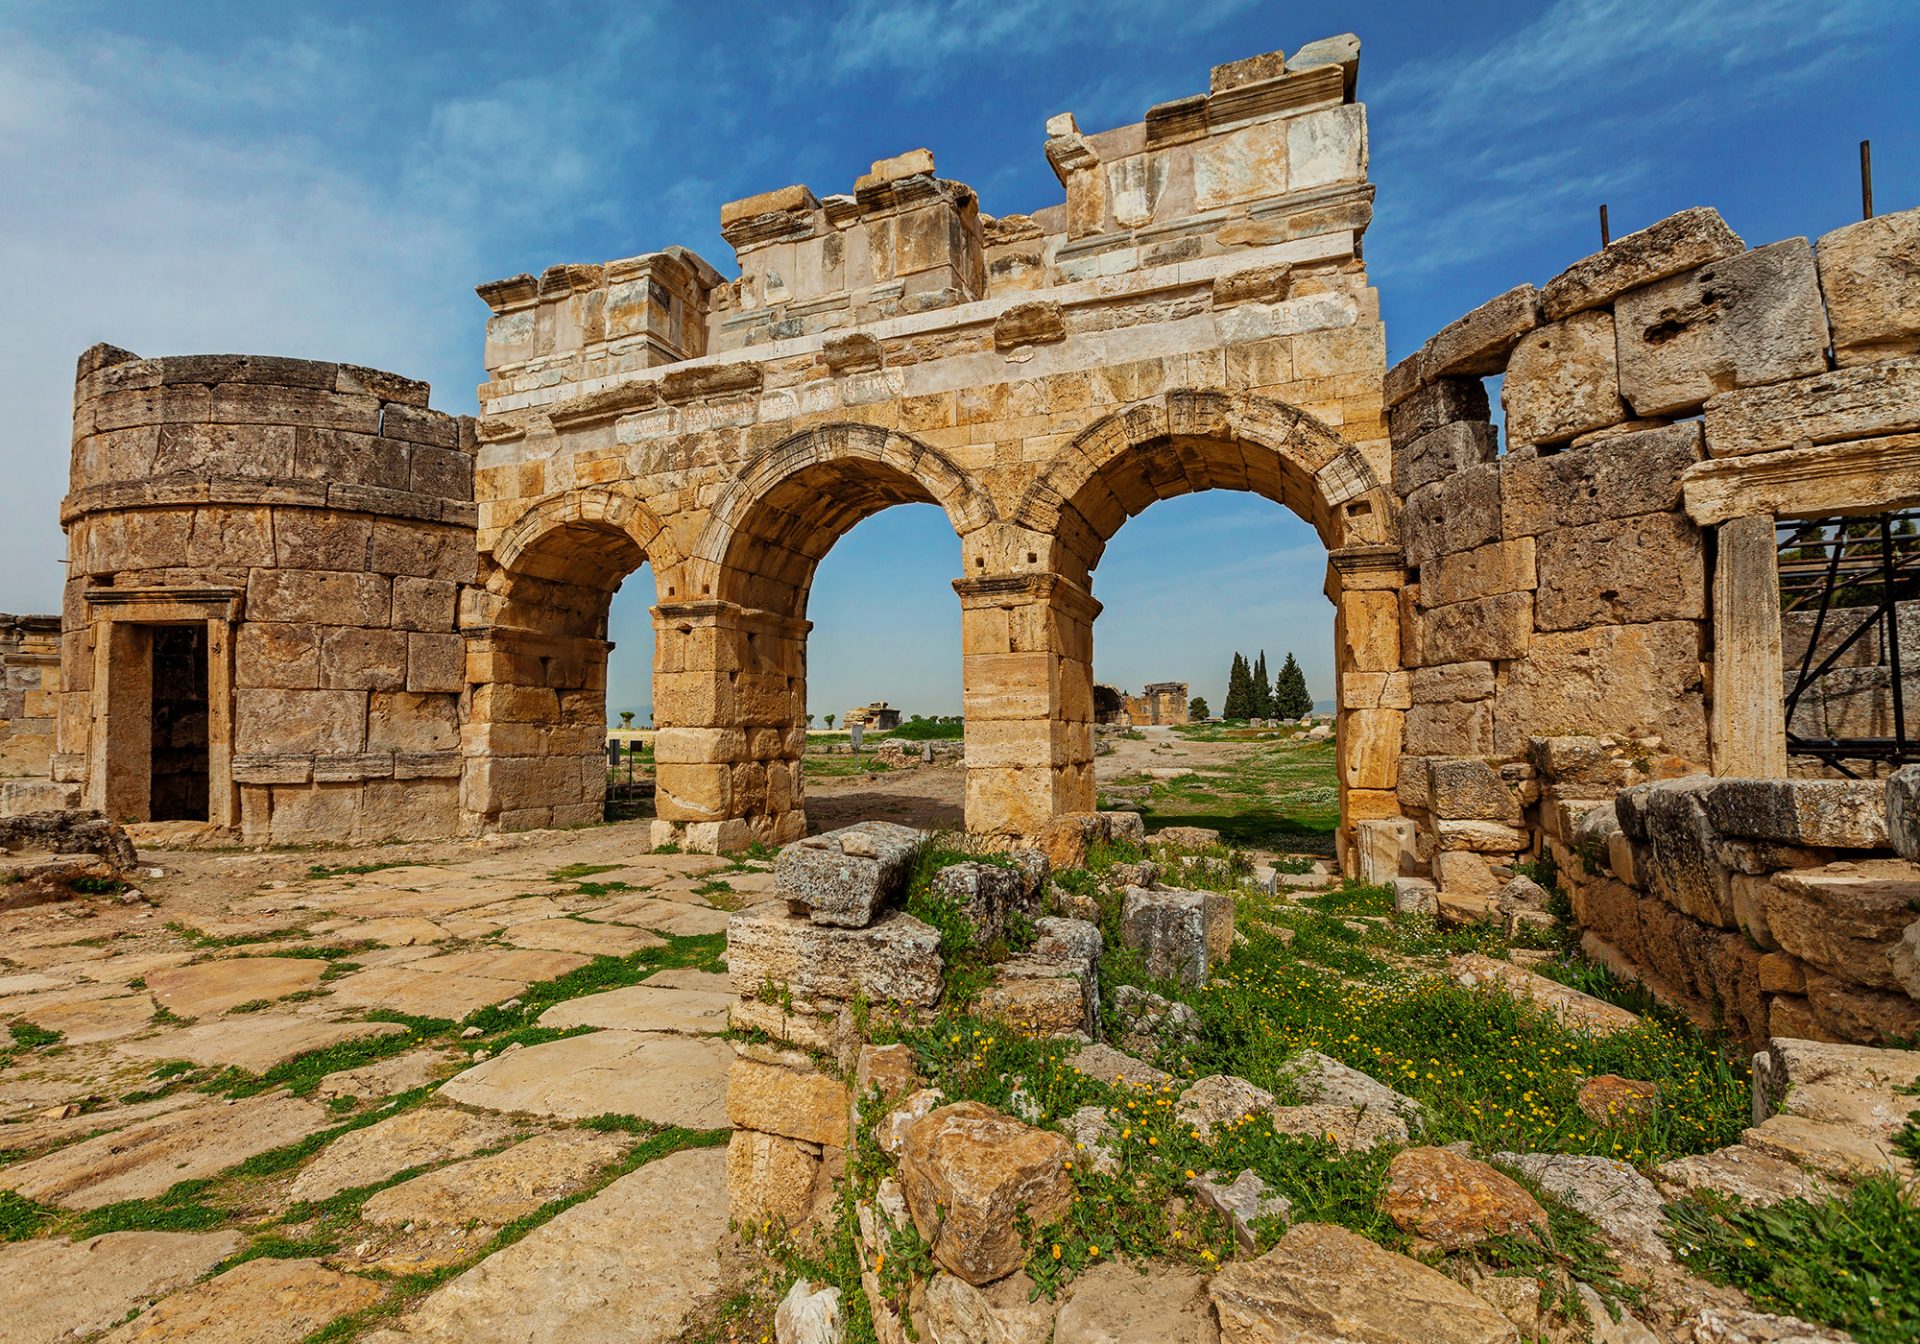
x,y
1622,1203
1436,403
895,958
808,1106
1478,344
578,935
1325,1285
1858,403
1729,1325
1903,812
968,1172
1112,1303
1169,929
1441,452
645,1007
148,1158
844,877
1115,1066
1748,1173
1623,571
256,1042
228,1310
1870,278
888,1070
1573,1008
1843,813
1039,994
1484,571
1623,477
215,986
770,1177
53,1290
1456,514
1741,322
1220,1100
985,892
1845,921
1677,243
1243,1201
1562,381
1642,680
1489,629
1482,837
626,1267
1612,1100
410,1139
1466,788
670,1080
1348,1128
1454,1201
1008,1311
494,1190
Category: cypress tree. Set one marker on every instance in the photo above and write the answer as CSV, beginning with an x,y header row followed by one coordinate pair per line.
x,y
1291,699
1238,677
1261,692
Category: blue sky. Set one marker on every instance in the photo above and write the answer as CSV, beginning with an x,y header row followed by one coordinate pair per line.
x,y
332,182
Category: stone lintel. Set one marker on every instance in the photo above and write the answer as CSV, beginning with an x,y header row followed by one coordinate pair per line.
x,y
515,291
1861,476
712,612
1005,590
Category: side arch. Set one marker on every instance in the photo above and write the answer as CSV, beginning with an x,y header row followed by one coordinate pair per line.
x,y
1183,441
772,526
565,537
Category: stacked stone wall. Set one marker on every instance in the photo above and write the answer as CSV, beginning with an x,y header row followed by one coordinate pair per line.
x,y
29,694
1592,615
317,520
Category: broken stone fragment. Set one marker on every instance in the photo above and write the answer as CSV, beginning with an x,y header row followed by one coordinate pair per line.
x,y
807,1315
1243,1201
1342,50
1322,1079
1903,812
1220,1100
972,1178
985,893
843,877
1455,1202
1623,1204
1169,930
1677,243
1625,1103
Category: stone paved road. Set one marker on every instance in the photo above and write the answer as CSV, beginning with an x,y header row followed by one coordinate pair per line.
x,y
289,1031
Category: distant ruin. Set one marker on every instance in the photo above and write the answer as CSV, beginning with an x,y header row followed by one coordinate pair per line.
x,y
1159,702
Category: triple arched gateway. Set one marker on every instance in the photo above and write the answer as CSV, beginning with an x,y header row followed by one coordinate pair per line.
x,y
1194,315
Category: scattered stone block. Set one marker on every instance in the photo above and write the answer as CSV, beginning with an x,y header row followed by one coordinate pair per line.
x,y
896,958
1625,1103
1220,1100
1169,930
968,1174
1243,1201
1455,1202
1115,1066
844,877
1845,919
1622,1203
1348,1128
1569,1005
1110,1302
986,893
807,1315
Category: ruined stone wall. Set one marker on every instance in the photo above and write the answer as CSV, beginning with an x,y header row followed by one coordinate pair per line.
x,y
29,691
1194,315
295,534
1163,702
1594,606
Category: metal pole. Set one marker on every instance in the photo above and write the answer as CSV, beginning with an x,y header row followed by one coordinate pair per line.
x,y
1606,233
1866,179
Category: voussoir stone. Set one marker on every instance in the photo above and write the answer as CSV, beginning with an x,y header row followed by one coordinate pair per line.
x,y
1454,1201
1325,1285
968,1173
1478,344
844,877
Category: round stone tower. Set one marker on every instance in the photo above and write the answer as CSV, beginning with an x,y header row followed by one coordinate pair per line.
x,y
265,559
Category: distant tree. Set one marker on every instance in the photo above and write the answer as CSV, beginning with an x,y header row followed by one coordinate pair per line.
x,y
1239,689
1197,708
1291,699
809,720
626,718
913,718
829,722
1261,691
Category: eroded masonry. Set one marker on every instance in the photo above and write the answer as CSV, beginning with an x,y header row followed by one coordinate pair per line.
x,y
302,605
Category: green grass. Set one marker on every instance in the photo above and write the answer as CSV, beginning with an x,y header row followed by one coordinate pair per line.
x,y
701,951
574,872
1852,1262
842,767
925,730
321,870
20,1217
1280,794
211,941
27,1036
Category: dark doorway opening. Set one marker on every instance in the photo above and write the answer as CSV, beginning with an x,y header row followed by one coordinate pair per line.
x,y
180,746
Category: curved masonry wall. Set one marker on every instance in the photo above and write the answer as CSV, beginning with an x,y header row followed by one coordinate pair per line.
x,y
265,562
1596,608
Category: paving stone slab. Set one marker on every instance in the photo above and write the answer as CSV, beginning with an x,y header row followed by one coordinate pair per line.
x,y
85,1021
53,1290
645,1007
26,1135
573,935
680,918
406,990
260,1302
410,1139
398,931
211,987
625,1267
688,977
401,1073
498,1188
524,965
146,1159
255,1042
670,1080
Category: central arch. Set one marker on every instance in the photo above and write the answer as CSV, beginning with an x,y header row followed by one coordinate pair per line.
x,y
730,687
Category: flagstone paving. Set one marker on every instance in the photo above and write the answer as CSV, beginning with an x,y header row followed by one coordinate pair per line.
x,y
289,1031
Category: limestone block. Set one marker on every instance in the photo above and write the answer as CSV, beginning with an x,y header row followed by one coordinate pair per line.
x,y
1441,452
1621,477
1385,847
1437,403
1642,680
406,721
1903,811
282,656
1482,837
1243,1201
1742,322
363,660
1478,344
1462,872
1043,996
843,877
1870,277
1486,629
301,721
1847,921
1343,51
1843,813
1456,514
1485,571
1454,1201
1677,243
1623,571
1446,683
986,893
318,598
1459,728
1876,399
1169,930
1324,1282
1326,147
973,1178
1465,788
1371,741
1683,867
896,957
1848,1011
1562,380
436,663
773,1099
